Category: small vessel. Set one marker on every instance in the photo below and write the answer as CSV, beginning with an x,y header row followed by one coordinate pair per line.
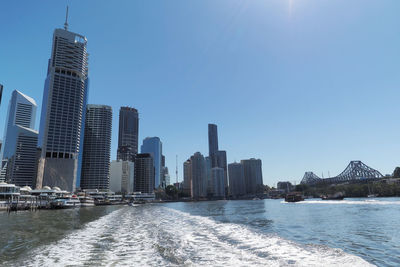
x,y
336,196
86,201
294,197
65,202
372,195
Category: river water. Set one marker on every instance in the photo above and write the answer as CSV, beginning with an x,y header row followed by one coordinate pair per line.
x,y
352,232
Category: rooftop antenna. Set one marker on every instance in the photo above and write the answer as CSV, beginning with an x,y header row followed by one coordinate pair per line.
x,y
66,20
176,171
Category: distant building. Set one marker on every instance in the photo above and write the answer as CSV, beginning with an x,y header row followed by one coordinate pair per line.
x,y
165,178
1,92
187,177
20,141
153,146
210,188
253,175
122,176
212,142
237,184
128,134
218,182
221,162
63,111
144,173
286,187
199,176
96,148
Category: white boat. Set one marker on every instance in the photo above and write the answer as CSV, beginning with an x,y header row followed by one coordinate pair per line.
x,y
86,201
65,202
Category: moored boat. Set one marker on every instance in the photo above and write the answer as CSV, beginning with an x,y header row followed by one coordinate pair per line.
x,y
86,201
294,197
65,202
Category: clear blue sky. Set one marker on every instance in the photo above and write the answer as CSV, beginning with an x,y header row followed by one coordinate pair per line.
x,y
303,85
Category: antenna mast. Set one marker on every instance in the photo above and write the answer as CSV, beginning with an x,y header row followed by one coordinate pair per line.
x,y
66,21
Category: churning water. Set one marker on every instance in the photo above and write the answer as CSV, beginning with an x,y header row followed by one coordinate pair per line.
x,y
220,233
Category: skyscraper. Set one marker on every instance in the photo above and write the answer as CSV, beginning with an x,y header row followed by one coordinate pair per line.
x,y
236,179
144,173
20,141
212,143
128,134
218,182
221,162
187,177
199,176
153,146
122,176
63,110
1,92
96,147
252,175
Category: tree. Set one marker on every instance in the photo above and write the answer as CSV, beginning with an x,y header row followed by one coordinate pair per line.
x,y
396,172
171,191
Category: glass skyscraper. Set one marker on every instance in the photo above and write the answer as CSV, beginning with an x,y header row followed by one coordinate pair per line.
x,y
128,134
96,148
153,146
20,141
63,110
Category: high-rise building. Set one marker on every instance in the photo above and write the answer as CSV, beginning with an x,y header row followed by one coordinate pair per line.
x,y
128,134
187,177
63,111
253,175
210,188
212,143
96,148
218,182
153,146
165,178
20,141
144,173
122,176
237,185
1,92
199,176
221,162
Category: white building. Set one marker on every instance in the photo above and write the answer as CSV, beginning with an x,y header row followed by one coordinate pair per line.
x,y
122,176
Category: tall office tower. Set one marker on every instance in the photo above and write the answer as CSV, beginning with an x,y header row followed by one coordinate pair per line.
x,y
165,177
128,134
1,92
212,143
144,173
122,176
96,148
20,141
63,111
221,162
210,188
187,177
253,175
237,185
199,176
218,182
153,146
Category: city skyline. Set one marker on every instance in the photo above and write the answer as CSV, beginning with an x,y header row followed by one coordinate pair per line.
x,y
304,127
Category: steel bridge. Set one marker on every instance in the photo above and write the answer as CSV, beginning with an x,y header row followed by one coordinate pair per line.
x,y
356,170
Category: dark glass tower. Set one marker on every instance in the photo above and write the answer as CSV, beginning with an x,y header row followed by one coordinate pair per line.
x,y
96,148
212,143
144,173
128,134
63,110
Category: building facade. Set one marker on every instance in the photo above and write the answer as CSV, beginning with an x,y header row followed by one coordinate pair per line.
x,y
128,133
63,111
96,148
153,146
187,177
218,182
199,176
144,173
122,176
212,143
20,141
253,175
237,186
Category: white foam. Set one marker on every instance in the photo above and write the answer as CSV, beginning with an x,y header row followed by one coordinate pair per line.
x,y
160,236
349,202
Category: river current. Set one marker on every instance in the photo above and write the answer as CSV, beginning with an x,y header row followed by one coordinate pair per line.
x,y
352,232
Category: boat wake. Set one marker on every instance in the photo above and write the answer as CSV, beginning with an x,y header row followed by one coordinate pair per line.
x,y
160,236
351,202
